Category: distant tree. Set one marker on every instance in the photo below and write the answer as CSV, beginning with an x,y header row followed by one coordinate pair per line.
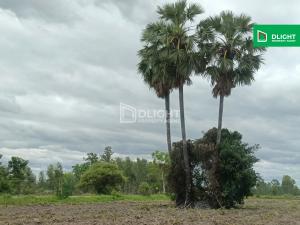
x,y
68,186
162,159
91,158
20,176
79,169
42,180
55,179
102,177
288,185
58,182
50,177
4,182
107,154
144,188
275,187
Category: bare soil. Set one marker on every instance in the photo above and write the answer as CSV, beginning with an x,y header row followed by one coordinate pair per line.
x,y
254,212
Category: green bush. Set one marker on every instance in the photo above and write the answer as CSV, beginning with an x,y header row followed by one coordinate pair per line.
x,y
222,175
144,188
102,177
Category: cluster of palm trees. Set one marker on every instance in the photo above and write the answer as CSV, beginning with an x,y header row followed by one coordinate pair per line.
x,y
218,48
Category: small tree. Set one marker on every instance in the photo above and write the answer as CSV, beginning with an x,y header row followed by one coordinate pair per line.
x,y
144,188
288,185
68,185
4,183
106,157
162,159
102,177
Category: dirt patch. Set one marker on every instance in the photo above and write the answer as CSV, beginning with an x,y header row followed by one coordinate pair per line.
x,y
254,212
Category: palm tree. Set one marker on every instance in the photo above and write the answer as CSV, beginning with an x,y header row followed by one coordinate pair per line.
x,y
181,46
156,69
233,61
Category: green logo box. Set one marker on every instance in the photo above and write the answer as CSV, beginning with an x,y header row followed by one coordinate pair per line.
x,y
276,35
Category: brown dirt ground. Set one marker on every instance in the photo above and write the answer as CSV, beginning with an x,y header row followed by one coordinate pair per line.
x,y
254,212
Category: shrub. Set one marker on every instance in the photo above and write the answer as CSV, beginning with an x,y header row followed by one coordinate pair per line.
x,y
102,177
144,188
221,176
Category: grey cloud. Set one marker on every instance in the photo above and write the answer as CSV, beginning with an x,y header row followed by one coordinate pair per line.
x,y
52,11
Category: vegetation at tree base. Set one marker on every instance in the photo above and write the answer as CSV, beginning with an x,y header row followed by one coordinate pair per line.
x,y
222,176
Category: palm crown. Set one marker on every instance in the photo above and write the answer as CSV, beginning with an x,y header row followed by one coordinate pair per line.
x,y
226,41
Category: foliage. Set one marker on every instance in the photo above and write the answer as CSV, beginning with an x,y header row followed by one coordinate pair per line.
x,y
144,188
4,184
106,156
102,177
222,177
227,44
20,177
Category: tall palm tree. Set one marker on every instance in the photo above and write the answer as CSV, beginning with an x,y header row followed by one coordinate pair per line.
x,y
233,61
181,46
155,67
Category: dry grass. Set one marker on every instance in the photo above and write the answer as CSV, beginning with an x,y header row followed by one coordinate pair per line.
x,y
254,212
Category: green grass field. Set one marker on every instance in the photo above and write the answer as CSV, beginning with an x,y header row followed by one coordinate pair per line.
x,y
50,199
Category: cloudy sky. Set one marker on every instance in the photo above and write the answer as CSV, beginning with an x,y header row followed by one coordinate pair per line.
x,y
66,65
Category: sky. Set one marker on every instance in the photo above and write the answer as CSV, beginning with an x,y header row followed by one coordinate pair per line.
x,y
67,65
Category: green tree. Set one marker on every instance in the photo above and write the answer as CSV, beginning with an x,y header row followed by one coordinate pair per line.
x,y
55,179
68,186
163,161
102,177
107,154
144,188
91,158
79,169
227,43
181,51
275,187
42,181
288,185
4,182
20,176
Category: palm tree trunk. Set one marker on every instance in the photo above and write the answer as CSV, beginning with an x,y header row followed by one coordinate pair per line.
x,y
167,105
220,119
185,150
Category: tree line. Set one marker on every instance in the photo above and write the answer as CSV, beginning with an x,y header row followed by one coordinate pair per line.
x,y
287,186
100,174
126,176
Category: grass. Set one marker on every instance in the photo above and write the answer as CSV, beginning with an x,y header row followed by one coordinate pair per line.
x,y
51,199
